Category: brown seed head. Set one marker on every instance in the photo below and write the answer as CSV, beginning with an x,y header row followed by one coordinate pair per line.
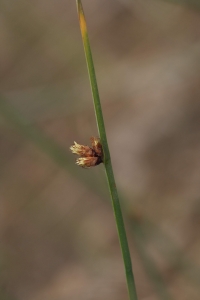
x,y
90,157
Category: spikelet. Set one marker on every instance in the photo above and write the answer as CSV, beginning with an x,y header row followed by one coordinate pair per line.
x,y
89,156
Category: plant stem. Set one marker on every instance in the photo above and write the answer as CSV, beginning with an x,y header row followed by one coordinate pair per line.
x,y
107,159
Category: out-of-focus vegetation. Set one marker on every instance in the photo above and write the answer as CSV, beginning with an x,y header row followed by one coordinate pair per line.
x,y
192,3
58,237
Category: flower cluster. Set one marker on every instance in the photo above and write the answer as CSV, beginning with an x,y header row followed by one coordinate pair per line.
x,y
90,156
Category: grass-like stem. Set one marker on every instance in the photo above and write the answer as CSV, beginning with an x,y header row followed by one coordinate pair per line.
x,y
107,159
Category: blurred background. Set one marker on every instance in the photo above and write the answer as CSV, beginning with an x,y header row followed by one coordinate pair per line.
x,y
58,235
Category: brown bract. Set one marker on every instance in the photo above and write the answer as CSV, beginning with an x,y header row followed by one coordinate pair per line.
x,y
96,145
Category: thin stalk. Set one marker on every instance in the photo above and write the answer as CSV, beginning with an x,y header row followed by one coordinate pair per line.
x,y
107,159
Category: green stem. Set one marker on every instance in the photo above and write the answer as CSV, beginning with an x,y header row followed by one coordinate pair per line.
x,y
107,159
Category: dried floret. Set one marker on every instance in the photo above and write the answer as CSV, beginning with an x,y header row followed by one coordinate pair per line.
x,y
82,150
